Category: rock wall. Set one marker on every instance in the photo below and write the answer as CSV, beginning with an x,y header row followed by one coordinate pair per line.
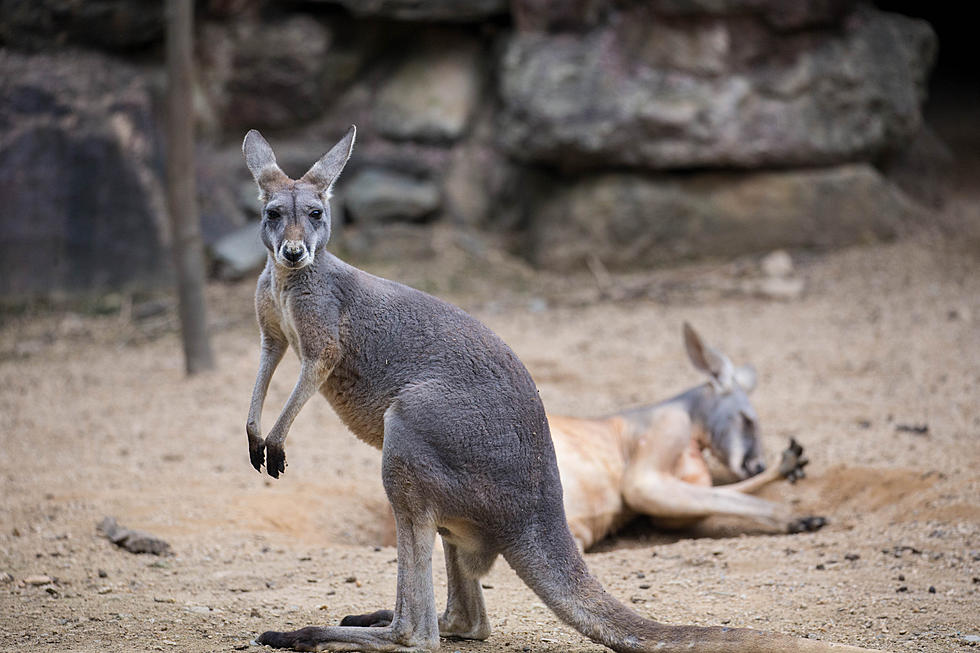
x,y
638,131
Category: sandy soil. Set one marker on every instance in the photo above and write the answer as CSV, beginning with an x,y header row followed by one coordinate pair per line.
x,y
98,419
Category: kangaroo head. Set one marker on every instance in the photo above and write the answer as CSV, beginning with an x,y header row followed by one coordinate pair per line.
x,y
728,417
295,214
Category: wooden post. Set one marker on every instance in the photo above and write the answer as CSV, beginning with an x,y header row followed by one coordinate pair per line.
x,y
187,246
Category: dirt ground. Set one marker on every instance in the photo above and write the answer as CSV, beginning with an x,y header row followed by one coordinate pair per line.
x,y
876,370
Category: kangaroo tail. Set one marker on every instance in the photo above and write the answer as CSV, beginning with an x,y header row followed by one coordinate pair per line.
x,y
551,565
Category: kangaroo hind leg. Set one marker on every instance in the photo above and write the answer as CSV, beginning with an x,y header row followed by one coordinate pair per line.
x,y
466,615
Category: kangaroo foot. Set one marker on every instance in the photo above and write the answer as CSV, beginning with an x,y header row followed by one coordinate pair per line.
x,y
806,524
376,618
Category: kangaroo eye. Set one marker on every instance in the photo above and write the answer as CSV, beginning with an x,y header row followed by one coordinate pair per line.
x,y
272,214
316,214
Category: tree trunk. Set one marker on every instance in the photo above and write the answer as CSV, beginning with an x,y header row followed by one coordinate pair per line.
x,y
181,192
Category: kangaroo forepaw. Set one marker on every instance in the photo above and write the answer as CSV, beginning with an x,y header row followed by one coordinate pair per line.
x,y
377,618
275,459
256,453
793,461
806,524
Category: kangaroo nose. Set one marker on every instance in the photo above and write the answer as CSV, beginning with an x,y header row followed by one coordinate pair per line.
x,y
292,255
754,467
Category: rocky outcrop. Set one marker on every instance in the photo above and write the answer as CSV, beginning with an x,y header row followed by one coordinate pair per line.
x,y
631,220
716,92
431,94
269,74
84,208
426,10
112,24
638,132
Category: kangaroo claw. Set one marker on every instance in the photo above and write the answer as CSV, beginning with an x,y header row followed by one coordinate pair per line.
x,y
275,459
807,524
793,461
256,452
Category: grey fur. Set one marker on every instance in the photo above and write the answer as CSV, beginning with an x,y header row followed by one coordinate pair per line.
x,y
464,439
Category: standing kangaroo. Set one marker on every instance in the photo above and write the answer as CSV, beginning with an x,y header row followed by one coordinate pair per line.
x,y
650,460
465,447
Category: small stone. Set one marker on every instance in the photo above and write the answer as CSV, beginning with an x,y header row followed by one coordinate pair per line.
x,y
255,613
103,574
932,589
132,540
777,264
164,599
851,556
39,579
903,588
350,579
6,578
971,639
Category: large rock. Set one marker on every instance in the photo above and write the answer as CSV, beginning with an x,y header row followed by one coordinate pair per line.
x,y
83,203
778,14
114,24
630,220
714,92
265,74
426,10
552,15
431,95
375,195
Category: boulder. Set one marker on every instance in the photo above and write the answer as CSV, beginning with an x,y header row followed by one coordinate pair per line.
x,y
84,207
111,24
426,10
268,74
780,15
713,92
374,195
431,94
631,220
238,253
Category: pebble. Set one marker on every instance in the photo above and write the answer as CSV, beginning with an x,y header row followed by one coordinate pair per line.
x,y
6,578
39,579
971,639
777,264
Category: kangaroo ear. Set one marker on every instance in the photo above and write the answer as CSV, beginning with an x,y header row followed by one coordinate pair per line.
x,y
325,172
261,162
709,360
746,378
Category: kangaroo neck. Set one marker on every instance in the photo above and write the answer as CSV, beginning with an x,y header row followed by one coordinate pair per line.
x,y
323,265
695,402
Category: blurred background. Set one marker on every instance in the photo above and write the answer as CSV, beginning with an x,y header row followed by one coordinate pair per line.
x,y
571,134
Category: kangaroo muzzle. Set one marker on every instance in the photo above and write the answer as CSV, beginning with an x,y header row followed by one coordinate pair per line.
x,y
293,252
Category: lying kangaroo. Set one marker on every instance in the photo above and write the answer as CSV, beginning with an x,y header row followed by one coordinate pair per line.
x,y
650,460
465,447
